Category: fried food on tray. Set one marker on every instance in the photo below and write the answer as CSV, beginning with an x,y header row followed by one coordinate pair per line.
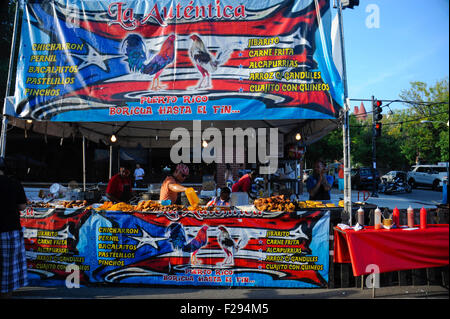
x,y
274,204
105,206
152,206
74,203
124,207
314,204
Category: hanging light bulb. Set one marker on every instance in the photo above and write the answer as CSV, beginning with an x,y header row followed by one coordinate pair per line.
x,y
113,138
298,137
205,143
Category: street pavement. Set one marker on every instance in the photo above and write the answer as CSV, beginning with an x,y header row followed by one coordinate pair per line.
x,y
189,293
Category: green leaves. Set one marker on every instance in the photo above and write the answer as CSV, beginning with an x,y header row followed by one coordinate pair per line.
x,y
418,132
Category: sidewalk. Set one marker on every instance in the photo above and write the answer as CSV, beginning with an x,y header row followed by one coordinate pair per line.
x,y
115,292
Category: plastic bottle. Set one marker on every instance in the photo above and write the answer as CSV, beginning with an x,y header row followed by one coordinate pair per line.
x,y
423,218
396,217
377,218
192,196
360,216
410,216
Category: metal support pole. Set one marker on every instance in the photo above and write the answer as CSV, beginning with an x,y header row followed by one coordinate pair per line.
x,y
345,127
110,161
374,151
8,83
84,164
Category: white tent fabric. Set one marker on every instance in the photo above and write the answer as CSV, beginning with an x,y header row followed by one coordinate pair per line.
x,y
157,134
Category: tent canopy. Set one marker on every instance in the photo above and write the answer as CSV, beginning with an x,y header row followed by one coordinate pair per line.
x,y
85,69
153,134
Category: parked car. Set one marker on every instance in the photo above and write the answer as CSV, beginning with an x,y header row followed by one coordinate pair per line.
x,y
427,175
362,178
390,176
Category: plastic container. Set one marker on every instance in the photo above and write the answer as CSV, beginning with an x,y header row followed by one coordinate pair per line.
x,y
360,216
423,218
396,216
239,199
410,216
377,222
192,196
166,202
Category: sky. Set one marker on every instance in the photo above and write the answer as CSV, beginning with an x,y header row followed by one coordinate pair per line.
x,y
410,43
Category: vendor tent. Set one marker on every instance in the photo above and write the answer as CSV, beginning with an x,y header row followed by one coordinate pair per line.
x,y
139,69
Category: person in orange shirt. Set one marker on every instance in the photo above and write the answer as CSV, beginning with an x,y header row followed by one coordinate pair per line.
x,y
171,186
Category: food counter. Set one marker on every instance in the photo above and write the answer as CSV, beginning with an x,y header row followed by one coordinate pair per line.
x,y
177,245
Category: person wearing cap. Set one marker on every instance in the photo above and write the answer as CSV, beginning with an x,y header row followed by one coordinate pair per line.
x,y
119,186
222,200
171,185
13,265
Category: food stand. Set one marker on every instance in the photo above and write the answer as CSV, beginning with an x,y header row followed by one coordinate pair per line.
x,y
139,72
231,248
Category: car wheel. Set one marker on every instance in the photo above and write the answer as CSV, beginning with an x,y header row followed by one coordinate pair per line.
x,y
436,185
412,182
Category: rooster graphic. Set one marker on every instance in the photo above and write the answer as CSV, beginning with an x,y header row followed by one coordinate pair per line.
x,y
177,236
135,50
205,62
229,245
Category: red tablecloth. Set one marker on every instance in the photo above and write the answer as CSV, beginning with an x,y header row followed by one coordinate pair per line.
x,y
392,249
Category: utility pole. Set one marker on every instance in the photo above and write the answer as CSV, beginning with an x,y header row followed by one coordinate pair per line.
x,y
346,115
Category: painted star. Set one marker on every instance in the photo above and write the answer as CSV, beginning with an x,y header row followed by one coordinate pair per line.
x,y
94,57
299,234
146,239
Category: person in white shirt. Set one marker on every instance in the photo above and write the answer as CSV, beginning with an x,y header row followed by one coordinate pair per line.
x,y
139,176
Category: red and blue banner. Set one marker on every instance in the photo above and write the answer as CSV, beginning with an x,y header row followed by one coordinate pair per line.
x,y
145,60
199,248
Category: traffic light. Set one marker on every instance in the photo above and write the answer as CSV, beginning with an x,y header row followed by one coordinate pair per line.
x,y
378,129
349,3
377,110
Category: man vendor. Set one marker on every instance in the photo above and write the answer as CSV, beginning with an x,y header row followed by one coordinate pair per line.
x,y
244,184
119,186
319,183
171,186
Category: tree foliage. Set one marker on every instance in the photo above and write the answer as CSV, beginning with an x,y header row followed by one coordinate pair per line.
x,y
405,137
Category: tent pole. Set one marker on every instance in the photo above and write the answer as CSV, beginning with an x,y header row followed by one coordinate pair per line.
x,y
8,83
84,164
345,127
110,162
